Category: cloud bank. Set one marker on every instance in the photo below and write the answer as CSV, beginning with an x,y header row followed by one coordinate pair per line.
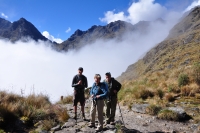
x,y
52,38
35,68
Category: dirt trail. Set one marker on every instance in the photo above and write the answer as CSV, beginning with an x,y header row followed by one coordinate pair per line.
x,y
134,123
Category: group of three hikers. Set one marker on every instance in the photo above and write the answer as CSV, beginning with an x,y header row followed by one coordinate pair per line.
x,y
101,93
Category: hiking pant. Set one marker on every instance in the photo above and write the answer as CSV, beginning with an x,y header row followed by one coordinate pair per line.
x,y
98,104
110,108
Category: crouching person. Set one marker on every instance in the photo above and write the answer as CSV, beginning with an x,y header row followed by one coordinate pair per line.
x,y
98,93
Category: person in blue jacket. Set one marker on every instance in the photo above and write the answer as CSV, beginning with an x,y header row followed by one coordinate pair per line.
x,y
98,94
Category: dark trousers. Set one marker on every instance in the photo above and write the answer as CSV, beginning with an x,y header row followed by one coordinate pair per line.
x,y
110,108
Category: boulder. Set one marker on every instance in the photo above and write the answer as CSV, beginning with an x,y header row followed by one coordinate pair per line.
x,y
139,108
182,115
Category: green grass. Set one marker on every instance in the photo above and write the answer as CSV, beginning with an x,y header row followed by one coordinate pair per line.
x,y
168,115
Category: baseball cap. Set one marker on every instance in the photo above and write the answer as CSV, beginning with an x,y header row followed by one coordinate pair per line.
x,y
80,68
108,74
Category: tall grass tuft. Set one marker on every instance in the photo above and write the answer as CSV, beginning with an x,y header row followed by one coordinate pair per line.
x,y
168,115
183,80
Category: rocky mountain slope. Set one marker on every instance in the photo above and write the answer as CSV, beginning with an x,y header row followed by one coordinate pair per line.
x,y
113,30
180,49
21,29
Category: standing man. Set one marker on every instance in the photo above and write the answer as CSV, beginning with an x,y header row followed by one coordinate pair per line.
x,y
98,93
111,102
79,83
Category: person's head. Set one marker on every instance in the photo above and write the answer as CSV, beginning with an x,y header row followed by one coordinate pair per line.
x,y
108,76
80,70
97,78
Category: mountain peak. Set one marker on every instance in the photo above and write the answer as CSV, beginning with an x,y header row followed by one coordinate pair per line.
x,y
20,29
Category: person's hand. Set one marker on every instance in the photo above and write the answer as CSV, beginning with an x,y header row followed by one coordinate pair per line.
x,y
92,96
79,82
115,91
97,96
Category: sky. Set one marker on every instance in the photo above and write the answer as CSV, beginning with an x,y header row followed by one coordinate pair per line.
x,y
58,20
33,67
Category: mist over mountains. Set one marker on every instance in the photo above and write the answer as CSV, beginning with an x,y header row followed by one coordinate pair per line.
x,y
99,49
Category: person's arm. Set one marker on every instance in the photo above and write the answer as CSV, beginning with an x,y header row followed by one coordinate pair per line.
x,y
104,88
86,83
73,81
74,84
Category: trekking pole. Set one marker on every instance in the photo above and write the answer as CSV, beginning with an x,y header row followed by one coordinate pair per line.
x,y
121,113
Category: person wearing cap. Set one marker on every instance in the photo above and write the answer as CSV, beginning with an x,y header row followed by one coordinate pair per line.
x,y
79,83
111,102
98,93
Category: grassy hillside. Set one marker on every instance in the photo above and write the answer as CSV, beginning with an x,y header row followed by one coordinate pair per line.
x,y
169,74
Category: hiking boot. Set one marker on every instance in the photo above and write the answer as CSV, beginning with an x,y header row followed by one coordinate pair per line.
x,y
75,116
106,122
112,123
83,116
91,125
98,129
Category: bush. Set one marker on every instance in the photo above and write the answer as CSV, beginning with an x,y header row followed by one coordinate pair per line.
x,y
169,97
190,90
168,115
183,80
144,94
185,90
160,93
153,109
173,88
196,72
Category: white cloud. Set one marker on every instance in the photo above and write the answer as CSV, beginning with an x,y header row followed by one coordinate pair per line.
x,y
3,15
68,30
195,3
143,10
52,38
110,16
29,64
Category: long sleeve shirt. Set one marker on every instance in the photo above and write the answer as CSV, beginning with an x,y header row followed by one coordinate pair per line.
x,y
76,79
100,89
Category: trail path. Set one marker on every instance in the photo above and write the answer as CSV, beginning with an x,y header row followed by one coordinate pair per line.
x,y
134,123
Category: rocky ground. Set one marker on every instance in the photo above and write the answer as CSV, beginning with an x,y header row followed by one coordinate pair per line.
x,y
128,121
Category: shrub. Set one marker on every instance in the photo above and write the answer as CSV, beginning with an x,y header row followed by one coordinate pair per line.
x,y
87,92
2,131
185,90
160,93
144,94
196,72
61,113
153,109
169,97
183,80
168,115
190,90
173,88
67,99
